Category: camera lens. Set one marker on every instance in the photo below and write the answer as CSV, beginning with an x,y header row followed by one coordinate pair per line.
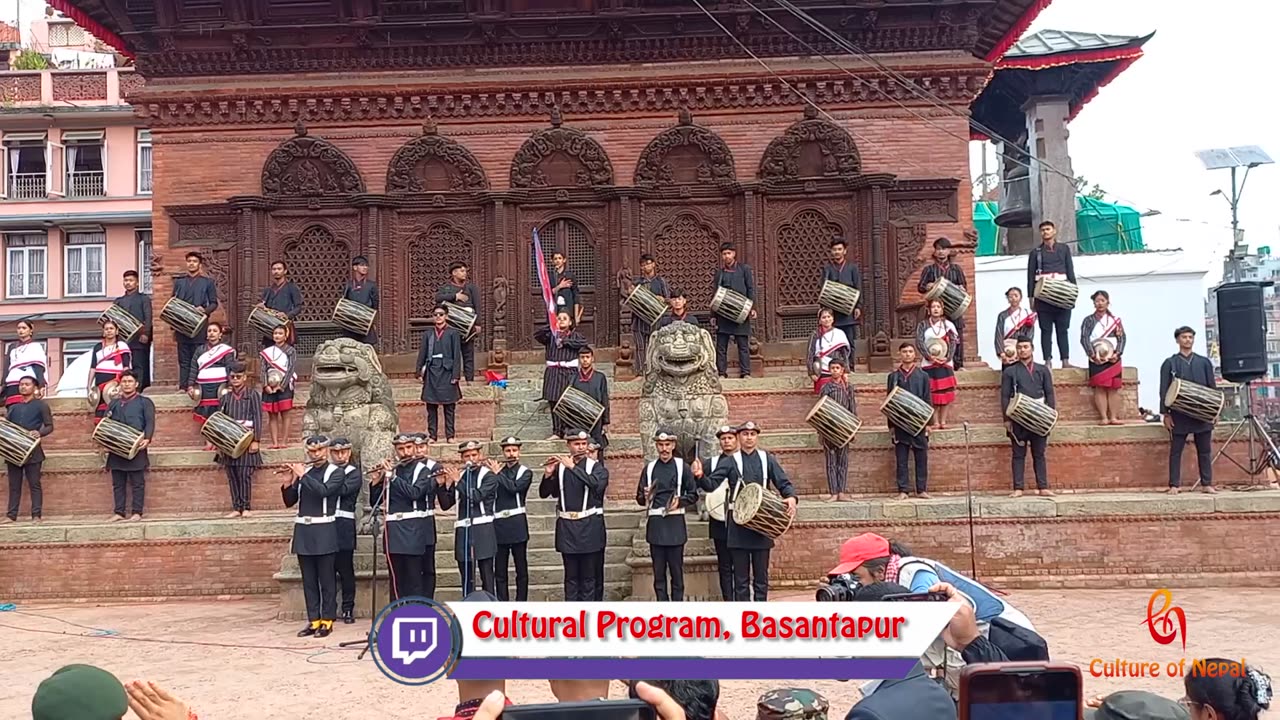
x,y
825,593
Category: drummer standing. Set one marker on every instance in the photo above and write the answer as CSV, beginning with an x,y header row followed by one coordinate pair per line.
x,y
314,488
138,304
474,542
913,380
640,328
562,363
282,296
139,413
1051,260
703,470
511,521
244,405
462,292
344,560
197,289
1188,366
440,368
594,384
111,357
31,414
842,394
1030,378
364,291
738,278
665,489
943,269
679,311
841,270
579,483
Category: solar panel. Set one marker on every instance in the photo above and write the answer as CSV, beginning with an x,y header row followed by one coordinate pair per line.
x,y
1243,156
1251,155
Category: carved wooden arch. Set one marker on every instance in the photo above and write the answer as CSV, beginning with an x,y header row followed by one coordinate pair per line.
x,y
305,166
788,158
432,247
317,252
685,154
571,159
409,170
684,241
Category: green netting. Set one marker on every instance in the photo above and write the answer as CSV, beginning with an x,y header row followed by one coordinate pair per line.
x,y
1101,227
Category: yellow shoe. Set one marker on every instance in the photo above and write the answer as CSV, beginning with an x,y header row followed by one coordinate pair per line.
x,y
326,627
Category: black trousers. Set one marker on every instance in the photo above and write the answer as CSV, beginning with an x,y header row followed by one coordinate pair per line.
x,y
1053,321
750,575
450,420
318,586
469,360
583,573
724,567
1038,445
141,359
344,568
240,481
900,453
135,480
959,355
186,353
30,471
414,575
668,560
1204,458
722,354
468,576
519,554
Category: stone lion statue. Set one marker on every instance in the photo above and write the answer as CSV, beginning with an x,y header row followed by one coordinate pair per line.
x,y
351,397
682,390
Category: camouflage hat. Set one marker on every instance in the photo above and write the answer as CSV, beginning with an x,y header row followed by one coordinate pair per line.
x,y
792,704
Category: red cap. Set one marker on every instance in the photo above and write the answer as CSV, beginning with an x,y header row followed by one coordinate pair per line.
x,y
857,550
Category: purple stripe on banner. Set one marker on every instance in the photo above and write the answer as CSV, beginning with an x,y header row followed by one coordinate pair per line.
x,y
683,668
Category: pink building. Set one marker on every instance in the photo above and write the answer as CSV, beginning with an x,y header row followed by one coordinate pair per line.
x,y
75,202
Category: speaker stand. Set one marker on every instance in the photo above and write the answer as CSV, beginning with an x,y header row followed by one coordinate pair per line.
x,y
1260,447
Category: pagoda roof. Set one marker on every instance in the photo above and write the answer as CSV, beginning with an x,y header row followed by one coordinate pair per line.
x,y
1067,63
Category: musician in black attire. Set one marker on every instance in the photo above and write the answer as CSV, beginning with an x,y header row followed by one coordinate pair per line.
x,y
595,385
665,489
462,292
31,414
282,296
197,289
579,483
841,270
751,549
702,471
139,413
409,529
737,277
679,311
138,304
1051,260
1188,366
944,269
244,405
511,521
364,291
314,487
564,286
640,328
911,379
1030,378
345,522
439,367
474,542
562,363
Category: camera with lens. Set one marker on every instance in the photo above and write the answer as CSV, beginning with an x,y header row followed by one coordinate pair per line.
x,y
839,588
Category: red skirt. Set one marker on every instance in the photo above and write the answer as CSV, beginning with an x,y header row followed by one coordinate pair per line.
x,y
1107,375
277,402
942,384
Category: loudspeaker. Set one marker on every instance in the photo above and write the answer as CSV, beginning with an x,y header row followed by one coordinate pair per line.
x,y
1242,331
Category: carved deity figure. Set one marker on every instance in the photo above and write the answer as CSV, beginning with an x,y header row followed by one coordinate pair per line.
x,y
682,391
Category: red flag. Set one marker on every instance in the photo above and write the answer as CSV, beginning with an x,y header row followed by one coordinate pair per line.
x,y
547,296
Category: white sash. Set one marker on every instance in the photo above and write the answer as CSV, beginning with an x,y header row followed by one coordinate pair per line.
x,y
764,470
1015,321
648,484
1107,327
276,358
586,491
110,358
207,371
22,358
827,344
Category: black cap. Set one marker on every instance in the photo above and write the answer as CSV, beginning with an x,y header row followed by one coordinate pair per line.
x,y
339,443
315,442
421,439
664,436
748,426
726,430
469,446
402,439
511,441
577,435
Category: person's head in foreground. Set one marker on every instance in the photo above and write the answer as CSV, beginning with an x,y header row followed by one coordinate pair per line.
x,y
1220,689
697,697
1136,705
80,692
868,557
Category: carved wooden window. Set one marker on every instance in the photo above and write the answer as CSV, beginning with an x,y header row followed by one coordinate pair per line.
x,y
430,255
687,250
803,244
320,264
569,237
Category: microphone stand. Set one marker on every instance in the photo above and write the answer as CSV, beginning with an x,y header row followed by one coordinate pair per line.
x,y
464,493
379,513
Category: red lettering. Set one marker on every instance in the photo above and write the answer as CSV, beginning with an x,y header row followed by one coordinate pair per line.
x,y
866,626
750,624
604,621
479,631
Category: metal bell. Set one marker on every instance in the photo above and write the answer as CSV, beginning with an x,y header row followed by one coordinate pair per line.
x,y
1015,203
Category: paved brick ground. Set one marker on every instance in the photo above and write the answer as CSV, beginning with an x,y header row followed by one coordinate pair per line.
x,y
300,679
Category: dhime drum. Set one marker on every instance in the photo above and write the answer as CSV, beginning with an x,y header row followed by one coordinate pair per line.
x,y
906,411
955,299
126,324
1056,292
353,316
760,509
1197,401
1032,414
839,297
716,501
118,438
645,304
578,409
731,305
462,319
265,321
183,317
834,422
226,434
16,445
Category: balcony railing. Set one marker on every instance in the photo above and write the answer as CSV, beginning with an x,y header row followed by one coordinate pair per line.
x,y
27,186
86,183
